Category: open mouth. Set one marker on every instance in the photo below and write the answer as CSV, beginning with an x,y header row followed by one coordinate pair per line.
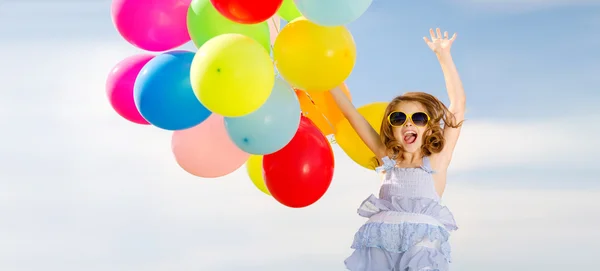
x,y
410,137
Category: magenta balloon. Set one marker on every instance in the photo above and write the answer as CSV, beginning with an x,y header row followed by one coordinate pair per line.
x,y
119,87
206,150
152,25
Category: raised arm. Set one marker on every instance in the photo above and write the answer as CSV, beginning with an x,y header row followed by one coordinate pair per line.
x,y
441,46
362,127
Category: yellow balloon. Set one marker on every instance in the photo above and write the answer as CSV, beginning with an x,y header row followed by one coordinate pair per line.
x,y
254,168
349,140
232,75
314,57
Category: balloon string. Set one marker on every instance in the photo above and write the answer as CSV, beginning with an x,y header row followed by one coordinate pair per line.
x,y
331,140
319,110
274,24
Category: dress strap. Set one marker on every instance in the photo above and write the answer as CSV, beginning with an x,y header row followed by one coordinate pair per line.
x,y
388,164
427,165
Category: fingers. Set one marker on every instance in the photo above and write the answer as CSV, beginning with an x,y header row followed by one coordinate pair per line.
x,y
453,37
427,41
437,34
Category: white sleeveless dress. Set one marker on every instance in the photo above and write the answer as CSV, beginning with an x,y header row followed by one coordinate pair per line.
x,y
408,229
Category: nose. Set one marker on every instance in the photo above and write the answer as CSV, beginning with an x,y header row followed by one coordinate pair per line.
x,y
408,123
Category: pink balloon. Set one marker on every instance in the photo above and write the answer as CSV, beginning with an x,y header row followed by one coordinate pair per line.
x,y
206,150
152,25
119,87
274,26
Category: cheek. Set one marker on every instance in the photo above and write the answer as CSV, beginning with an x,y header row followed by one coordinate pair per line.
x,y
422,134
397,132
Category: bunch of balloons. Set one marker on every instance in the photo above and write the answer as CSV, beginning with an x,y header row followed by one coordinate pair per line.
x,y
249,94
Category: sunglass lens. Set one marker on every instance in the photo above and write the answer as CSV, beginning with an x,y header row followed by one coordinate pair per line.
x,y
419,119
397,118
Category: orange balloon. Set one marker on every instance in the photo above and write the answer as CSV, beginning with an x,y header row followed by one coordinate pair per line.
x,y
321,109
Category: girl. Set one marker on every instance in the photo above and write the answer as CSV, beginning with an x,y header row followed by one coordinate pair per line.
x,y
408,228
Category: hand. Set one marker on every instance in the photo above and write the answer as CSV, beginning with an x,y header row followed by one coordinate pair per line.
x,y
439,44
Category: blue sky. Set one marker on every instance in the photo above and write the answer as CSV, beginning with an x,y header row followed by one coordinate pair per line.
x,y
516,59
81,189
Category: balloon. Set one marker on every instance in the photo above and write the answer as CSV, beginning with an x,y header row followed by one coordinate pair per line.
x,y
299,174
321,109
119,87
269,128
314,57
288,11
232,75
163,93
351,143
204,22
274,26
254,167
247,11
151,25
206,151
332,12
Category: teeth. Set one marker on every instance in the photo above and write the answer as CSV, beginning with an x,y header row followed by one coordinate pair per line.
x,y
410,132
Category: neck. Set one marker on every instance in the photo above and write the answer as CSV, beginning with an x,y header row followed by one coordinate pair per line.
x,y
412,157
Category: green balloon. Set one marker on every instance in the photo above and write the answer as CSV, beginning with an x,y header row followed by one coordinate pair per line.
x,y
288,10
204,22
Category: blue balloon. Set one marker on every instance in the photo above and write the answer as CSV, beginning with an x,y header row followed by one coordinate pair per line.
x,y
163,92
272,126
332,12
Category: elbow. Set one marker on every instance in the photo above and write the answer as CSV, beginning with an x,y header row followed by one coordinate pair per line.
x,y
461,102
458,107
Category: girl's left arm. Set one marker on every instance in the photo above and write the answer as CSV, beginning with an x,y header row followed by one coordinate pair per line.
x,y
440,45
456,93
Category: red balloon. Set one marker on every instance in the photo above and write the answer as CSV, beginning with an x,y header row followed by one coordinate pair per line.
x,y
300,173
247,11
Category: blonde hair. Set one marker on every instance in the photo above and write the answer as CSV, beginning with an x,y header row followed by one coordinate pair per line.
x,y
433,138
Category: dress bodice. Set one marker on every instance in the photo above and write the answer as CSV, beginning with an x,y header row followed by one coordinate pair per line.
x,y
407,182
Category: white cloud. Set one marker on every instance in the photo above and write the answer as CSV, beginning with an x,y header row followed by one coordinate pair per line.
x,y
82,189
553,142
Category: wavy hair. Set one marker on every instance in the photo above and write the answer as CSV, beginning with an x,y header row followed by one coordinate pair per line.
x,y
433,137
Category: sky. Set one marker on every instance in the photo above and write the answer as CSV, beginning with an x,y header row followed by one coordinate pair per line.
x,y
83,189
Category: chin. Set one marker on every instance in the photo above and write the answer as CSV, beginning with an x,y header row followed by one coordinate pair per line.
x,y
411,148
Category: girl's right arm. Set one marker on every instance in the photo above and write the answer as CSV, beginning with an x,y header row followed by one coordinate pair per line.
x,y
362,127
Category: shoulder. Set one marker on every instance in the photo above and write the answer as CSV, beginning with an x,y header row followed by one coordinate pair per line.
x,y
385,165
437,163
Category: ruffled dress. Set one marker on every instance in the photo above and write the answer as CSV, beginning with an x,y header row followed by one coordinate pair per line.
x,y
408,229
